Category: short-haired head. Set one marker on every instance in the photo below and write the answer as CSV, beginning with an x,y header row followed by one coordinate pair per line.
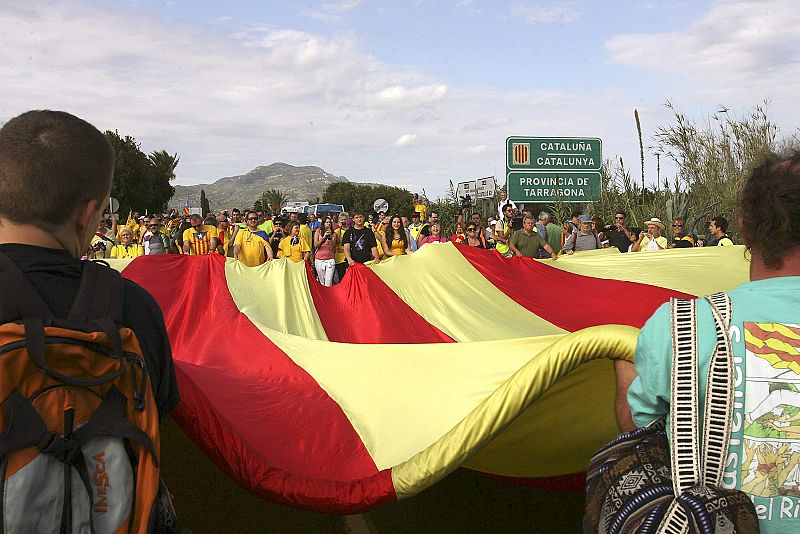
x,y
770,209
52,163
720,222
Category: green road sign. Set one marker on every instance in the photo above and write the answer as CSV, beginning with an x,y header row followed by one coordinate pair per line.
x,y
554,154
547,169
564,186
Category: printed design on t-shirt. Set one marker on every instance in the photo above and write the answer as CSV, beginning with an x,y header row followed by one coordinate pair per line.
x,y
360,244
200,236
771,459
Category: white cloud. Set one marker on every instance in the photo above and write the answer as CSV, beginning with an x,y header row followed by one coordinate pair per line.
x,y
402,95
341,7
735,41
332,11
738,54
476,149
227,103
405,139
563,13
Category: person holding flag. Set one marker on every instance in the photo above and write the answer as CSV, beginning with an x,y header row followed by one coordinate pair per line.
x,y
200,238
251,246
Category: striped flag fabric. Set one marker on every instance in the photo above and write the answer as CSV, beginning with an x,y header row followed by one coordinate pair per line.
x,y
342,398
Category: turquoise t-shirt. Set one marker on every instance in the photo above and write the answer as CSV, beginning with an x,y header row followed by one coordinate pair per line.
x,y
764,454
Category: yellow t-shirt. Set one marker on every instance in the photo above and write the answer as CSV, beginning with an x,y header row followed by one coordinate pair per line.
x,y
396,247
267,226
644,245
122,252
199,241
293,252
339,256
305,233
102,252
421,209
253,248
224,238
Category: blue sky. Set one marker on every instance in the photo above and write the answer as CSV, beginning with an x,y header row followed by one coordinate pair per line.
x,y
407,93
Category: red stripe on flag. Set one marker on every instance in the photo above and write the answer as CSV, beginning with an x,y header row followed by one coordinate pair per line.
x,y
568,300
363,309
256,413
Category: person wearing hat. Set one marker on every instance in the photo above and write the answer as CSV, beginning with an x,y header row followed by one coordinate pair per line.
x,y
583,239
652,239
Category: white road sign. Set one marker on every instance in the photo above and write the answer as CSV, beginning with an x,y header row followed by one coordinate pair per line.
x,y
467,188
486,187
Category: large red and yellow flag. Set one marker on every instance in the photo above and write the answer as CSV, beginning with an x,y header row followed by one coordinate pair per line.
x,y
343,398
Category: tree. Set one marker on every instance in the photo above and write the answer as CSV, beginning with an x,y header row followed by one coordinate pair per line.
x,y
205,209
163,165
274,199
141,182
258,206
363,196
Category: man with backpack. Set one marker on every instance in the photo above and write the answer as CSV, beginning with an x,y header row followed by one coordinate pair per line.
x,y
88,346
584,239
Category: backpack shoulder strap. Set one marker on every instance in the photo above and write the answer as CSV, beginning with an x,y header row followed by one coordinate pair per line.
x,y
684,447
719,394
99,295
18,298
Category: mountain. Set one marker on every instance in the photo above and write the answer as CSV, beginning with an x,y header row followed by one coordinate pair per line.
x,y
300,183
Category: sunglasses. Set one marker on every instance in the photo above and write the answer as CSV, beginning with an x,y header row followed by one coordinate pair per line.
x,y
252,218
677,226
470,229
152,226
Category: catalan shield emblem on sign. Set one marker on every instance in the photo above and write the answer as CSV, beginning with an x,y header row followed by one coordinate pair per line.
x,y
522,153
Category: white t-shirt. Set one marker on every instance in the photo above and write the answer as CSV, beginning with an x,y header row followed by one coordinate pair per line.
x,y
502,204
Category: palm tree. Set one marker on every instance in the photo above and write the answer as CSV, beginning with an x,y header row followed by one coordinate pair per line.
x,y
164,164
275,199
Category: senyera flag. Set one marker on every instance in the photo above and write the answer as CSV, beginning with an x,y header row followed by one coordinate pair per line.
x,y
342,398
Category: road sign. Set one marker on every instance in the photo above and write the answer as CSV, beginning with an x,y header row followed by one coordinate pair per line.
x,y
565,186
380,205
547,169
467,189
554,153
486,187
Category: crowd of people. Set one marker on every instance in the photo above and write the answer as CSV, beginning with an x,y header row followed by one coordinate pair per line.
x,y
333,242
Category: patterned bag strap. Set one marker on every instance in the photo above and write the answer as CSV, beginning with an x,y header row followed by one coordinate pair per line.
x,y
719,395
688,468
683,448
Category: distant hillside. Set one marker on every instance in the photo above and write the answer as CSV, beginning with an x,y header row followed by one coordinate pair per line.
x,y
300,183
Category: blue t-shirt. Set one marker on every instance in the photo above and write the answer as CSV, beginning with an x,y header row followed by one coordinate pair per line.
x,y
764,453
